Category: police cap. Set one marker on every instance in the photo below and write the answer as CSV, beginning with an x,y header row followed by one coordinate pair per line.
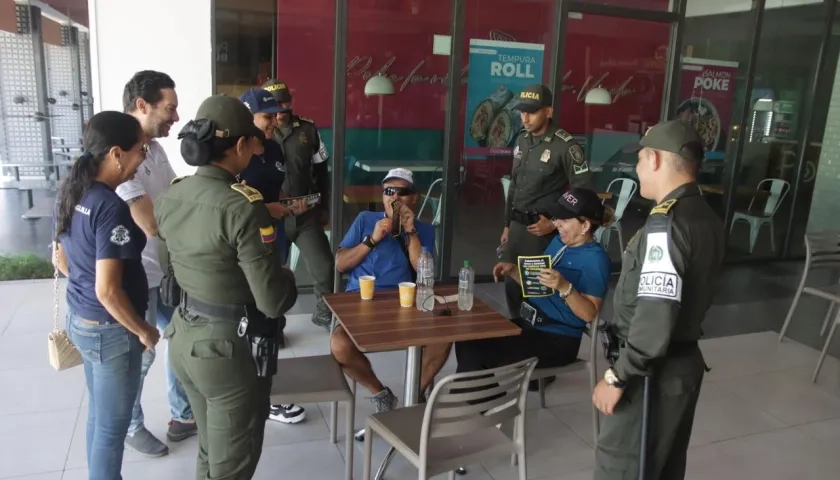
x,y
279,89
675,136
534,97
230,117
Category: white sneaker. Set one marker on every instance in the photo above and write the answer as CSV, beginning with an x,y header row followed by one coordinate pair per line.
x,y
287,413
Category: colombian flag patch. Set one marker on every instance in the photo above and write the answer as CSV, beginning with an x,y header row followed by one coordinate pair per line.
x,y
268,234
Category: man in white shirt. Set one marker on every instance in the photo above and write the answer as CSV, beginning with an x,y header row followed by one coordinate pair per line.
x,y
150,97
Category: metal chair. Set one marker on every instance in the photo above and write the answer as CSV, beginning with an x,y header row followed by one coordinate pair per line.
x,y
506,186
318,379
756,219
822,250
627,188
590,363
450,430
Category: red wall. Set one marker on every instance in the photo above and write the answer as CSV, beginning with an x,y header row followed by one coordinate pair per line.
x,y
632,55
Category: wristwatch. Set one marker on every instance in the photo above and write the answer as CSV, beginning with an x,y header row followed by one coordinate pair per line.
x,y
612,379
369,242
409,233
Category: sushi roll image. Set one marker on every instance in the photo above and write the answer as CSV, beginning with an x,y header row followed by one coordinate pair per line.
x,y
486,112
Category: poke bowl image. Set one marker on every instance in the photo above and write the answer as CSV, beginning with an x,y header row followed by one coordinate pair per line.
x,y
705,118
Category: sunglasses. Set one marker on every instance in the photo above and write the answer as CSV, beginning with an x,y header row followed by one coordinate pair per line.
x,y
398,191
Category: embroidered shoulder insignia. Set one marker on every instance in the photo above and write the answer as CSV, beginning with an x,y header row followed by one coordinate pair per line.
x,y
251,193
664,207
177,179
564,135
307,120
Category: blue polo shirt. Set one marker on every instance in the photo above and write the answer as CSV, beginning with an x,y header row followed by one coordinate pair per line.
x,y
102,228
387,262
266,172
587,268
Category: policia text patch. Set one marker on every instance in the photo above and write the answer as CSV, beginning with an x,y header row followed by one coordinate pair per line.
x,y
659,278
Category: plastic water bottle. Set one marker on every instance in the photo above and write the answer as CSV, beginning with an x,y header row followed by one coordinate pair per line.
x,y
466,286
425,282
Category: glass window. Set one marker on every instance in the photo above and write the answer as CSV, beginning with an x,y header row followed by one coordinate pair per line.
x,y
397,65
785,69
628,58
506,46
252,46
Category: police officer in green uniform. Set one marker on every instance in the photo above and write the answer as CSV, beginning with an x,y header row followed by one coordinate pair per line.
x,y
669,273
546,160
306,173
220,246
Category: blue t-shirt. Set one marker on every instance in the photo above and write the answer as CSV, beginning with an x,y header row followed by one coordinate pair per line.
x,y
102,228
266,172
587,268
387,262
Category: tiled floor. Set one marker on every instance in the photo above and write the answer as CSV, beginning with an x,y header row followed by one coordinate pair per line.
x,y
759,414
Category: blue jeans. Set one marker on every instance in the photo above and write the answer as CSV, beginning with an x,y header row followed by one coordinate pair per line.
x,y
160,315
112,357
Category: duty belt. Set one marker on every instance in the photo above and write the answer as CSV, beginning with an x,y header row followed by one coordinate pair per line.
x,y
228,313
524,217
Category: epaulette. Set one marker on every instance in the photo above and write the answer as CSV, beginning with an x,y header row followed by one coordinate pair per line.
x,y
564,135
307,119
177,179
664,207
251,193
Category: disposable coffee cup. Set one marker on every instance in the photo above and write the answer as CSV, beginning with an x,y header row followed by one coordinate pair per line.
x,y
407,290
366,287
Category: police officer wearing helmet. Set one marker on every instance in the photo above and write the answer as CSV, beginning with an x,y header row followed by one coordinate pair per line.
x,y
546,161
669,272
306,173
220,246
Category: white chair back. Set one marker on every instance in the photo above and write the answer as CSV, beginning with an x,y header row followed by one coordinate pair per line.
x,y
776,194
433,202
626,189
506,186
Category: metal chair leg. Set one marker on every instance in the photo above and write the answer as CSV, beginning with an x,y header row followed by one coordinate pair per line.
x,y
541,382
828,316
348,439
825,349
333,422
368,455
796,298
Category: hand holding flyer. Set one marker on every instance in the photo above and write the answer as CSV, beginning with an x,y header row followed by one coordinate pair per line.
x,y
529,272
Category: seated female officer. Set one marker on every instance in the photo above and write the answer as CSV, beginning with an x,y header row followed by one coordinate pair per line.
x,y
98,248
552,326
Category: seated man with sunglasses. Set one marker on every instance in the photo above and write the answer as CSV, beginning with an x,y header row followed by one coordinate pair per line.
x,y
552,326
389,250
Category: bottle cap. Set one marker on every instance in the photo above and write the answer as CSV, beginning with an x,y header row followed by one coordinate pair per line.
x,y
467,263
426,249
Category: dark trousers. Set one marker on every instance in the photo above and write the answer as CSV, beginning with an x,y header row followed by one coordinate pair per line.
x,y
552,350
308,234
674,393
521,243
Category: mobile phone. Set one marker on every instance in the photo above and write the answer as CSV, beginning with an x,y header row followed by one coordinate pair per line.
x,y
500,250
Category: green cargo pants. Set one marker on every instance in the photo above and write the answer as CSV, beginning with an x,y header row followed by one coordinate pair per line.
x,y
520,243
307,233
674,395
229,401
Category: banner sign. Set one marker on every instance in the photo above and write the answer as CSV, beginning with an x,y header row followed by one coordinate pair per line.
x,y
499,71
707,96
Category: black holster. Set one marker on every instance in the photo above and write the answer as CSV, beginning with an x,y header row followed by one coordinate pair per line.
x,y
264,351
609,341
170,291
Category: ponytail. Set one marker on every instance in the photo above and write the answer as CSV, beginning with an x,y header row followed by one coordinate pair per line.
x,y
609,216
104,131
82,174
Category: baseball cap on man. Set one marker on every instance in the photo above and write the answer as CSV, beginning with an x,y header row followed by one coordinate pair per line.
x,y
575,203
279,89
231,117
675,136
533,98
260,101
403,174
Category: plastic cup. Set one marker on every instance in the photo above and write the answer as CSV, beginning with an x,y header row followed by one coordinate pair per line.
x,y
407,290
366,287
